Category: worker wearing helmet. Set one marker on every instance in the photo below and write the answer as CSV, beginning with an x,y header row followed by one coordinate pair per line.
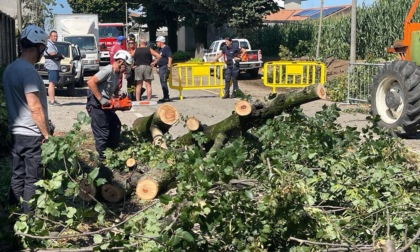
x,y
104,85
115,48
27,111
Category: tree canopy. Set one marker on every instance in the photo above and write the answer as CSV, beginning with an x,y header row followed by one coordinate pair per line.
x,y
172,13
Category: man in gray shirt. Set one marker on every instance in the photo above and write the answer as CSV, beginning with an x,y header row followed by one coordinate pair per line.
x,y
26,102
52,64
104,85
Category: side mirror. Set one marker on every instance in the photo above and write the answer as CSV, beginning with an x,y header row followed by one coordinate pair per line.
x,y
76,57
83,56
103,47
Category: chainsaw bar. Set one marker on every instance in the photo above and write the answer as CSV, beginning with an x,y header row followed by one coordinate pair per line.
x,y
143,103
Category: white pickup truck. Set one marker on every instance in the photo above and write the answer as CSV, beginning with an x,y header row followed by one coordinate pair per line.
x,y
251,63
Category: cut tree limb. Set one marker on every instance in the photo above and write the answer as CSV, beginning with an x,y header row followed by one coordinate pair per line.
x,y
165,116
236,125
151,182
193,124
116,190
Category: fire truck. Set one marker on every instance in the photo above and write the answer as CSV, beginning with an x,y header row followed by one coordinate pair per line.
x,y
108,33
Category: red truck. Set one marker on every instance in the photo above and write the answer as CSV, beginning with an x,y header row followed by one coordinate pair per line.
x,y
108,33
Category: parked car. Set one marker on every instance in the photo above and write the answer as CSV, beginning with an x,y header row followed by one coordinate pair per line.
x,y
250,64
71,70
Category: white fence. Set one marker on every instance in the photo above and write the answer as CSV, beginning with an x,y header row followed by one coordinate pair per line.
x,y
359,81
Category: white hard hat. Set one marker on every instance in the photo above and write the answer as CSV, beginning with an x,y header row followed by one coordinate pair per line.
x,y
34,35
161,39
124,55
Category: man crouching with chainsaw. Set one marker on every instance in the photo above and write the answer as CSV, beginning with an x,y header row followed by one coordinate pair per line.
x,y
104,86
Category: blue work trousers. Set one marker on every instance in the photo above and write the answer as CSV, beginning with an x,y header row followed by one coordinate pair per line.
x,y
106,126
163,82
26,169
231,73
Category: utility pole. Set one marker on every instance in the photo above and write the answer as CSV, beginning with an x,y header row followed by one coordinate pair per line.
x,y
353,32
126,20
19,16
319,29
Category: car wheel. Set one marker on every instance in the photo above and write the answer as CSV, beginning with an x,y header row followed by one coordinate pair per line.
x,y
71,89
254,73
81,82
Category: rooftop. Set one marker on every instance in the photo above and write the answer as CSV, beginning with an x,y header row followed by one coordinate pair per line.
x,y
304,14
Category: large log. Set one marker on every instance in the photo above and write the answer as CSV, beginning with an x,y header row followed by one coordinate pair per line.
x,y
164,117
151,183
236,125
117,189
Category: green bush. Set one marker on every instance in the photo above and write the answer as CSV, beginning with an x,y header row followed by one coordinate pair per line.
x,y
180,56
337,88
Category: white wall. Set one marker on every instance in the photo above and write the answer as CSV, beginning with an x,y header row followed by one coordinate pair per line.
x,y
292,4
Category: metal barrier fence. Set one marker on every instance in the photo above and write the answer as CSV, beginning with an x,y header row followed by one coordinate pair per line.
x,y
359,81
196,76
292,74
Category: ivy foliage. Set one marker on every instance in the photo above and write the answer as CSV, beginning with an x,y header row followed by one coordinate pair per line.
x,y
295,177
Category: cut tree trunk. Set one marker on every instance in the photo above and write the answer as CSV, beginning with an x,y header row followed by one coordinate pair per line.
x,y
117,189
151,182
236,125
165,116
193,124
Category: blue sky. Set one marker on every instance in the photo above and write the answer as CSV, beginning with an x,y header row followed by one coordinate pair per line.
x,y
58,9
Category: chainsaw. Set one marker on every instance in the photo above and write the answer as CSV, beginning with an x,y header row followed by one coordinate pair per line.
x,y
119,103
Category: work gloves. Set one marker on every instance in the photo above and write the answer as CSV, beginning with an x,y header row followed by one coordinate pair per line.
x,y
104,101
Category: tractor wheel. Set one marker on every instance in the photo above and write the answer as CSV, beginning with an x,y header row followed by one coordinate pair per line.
x,y
396,97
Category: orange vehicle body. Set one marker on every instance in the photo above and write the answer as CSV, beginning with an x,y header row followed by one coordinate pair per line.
x,y
402,47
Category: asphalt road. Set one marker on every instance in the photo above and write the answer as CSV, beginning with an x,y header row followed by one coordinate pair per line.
x,y
205,105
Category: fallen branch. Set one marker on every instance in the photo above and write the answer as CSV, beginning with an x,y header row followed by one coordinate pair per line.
x,y
407,246
90,233
339,246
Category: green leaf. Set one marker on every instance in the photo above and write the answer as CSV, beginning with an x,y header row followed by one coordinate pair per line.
x,y
71,211
94,173
165,199
97,238
186,236
228,170
249,194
